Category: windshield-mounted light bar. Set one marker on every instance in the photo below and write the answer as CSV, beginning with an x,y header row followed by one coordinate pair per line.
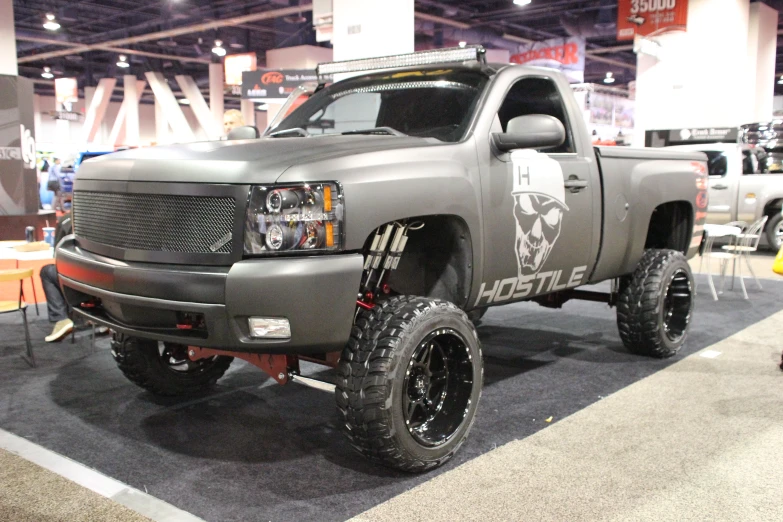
x,y
470,53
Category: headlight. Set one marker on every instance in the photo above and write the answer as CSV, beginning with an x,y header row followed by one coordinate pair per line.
x,y
294,219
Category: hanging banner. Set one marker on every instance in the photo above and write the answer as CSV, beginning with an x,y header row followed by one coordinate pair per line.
x,y
275,84
66,90
650,17
236,64
564,54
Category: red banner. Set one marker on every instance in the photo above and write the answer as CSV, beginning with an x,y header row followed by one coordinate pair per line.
x,y
650,17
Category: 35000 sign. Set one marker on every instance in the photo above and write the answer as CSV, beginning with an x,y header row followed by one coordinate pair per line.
x,y
651,6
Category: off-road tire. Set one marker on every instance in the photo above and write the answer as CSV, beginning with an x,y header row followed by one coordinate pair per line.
x,y
372,371
141,362
773,225
640,306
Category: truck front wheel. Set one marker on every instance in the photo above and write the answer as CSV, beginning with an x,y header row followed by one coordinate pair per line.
x,y
775,231
655,304
165,368
409,382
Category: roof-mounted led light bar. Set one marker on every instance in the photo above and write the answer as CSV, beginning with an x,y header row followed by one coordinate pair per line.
x,y
470,53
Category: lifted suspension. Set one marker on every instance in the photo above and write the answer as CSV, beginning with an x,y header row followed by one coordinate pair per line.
x,y
282,368
383,257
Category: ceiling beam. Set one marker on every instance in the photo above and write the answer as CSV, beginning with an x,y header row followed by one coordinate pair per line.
x,y
441,20
119,50
170,33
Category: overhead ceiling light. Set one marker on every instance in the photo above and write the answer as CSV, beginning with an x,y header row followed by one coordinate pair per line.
x,y
463,44
219,49
47,73
123,62
522,2
184,101
50,23
609,78
263,107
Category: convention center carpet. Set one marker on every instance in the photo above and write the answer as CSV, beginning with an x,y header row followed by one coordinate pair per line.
x,y
252,450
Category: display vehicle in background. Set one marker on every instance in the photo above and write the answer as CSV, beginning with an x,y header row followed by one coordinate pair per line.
x,y
746,184
369,228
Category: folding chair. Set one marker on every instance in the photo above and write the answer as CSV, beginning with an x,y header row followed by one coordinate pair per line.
x,y
748,243
20,274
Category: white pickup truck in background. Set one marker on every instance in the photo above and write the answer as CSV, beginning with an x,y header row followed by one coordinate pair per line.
x,y
746,183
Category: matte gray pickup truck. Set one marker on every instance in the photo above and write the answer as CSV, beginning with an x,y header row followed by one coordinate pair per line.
x,y
369,229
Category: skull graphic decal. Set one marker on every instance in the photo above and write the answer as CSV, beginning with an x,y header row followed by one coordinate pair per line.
x,y
539,208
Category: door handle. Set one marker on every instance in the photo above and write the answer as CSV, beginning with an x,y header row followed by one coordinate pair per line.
x,y
574,184
720,187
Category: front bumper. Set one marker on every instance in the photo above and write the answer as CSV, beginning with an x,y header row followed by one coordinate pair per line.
x,y
316,294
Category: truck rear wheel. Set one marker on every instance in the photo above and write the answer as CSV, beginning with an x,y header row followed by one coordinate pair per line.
x,y
165,368
775,231
409,382
655,304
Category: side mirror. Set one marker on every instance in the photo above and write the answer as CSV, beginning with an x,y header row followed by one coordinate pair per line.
x,y
534,131
246,132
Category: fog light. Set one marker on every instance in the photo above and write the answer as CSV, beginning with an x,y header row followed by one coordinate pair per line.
x,y
269,328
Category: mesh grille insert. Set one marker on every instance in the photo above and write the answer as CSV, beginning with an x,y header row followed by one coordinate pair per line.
x,y
155,222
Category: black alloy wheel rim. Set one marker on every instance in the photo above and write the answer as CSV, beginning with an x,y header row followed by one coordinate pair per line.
x,y
437,387
677,305
175,358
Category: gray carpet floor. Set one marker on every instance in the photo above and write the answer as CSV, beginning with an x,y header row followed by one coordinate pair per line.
x,y
256,451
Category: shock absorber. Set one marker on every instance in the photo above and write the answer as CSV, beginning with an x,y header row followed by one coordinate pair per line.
x,y
377,251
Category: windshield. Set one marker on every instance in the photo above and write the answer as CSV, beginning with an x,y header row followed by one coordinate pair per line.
x,y
426,103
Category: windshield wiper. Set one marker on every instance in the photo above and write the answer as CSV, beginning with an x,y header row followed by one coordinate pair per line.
x,y
298,131
376,130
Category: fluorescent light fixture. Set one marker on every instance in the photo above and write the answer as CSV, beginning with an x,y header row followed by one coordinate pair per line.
x,y
219,49
522,2
47,73
123,62
468,53
269,328
50,23
609,78
184,101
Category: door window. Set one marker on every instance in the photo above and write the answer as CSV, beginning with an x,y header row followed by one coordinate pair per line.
x,y
536,96
717,163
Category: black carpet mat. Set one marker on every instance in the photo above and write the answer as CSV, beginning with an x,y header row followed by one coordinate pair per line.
x,y
252,450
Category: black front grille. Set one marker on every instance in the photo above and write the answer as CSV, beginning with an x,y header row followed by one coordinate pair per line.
x,y
155,222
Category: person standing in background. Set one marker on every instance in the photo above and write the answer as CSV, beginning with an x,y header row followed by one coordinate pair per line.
x,y
232,119
54,183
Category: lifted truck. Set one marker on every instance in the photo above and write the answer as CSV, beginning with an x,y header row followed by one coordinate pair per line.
x,y
368,229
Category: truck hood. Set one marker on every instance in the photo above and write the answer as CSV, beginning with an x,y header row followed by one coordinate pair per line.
x,y
236,162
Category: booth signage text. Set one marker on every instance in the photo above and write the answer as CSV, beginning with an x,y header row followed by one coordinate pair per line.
x,y
274,84
650,17
564,54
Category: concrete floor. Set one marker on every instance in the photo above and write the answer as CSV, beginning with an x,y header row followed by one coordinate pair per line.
x,y
699,440
31,493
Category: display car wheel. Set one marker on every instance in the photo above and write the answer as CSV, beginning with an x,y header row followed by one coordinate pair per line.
x,y
775,232
409,382
655,304
165,368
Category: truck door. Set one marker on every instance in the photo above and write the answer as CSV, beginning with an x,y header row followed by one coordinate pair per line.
x,y
539,208
724,176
